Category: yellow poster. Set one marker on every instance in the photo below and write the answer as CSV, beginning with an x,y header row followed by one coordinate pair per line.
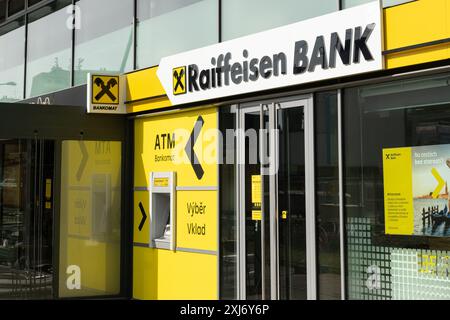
x,y
398,202
256,197
416,197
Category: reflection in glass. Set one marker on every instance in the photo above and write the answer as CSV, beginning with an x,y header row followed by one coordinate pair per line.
x,y
407,113
291,204
243,17
48,57
327,196
167,27
253,245
15,6
26,223
386,3
12,61
90,235
228,224
105,38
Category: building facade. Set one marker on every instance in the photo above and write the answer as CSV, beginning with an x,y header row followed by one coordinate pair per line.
x,y
259,150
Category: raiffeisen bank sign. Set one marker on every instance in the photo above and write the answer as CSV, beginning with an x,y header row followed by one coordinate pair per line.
x,y
338,44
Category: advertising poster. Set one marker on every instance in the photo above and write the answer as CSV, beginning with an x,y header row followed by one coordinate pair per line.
x,y
256,198
416,199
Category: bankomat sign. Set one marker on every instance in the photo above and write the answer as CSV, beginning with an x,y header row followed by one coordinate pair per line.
x,y
331,46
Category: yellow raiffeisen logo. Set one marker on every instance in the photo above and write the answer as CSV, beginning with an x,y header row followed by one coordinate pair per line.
x,y
105,90
179,80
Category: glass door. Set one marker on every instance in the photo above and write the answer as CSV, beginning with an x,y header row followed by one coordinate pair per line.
x,y
276,190
26,218
254,259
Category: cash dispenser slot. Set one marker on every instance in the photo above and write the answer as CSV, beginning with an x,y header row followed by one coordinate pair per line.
x,y
162,210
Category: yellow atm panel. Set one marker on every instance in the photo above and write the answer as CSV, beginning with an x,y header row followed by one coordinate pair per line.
x,y
178,151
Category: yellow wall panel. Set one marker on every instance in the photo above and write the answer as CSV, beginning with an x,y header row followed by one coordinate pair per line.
x,y
140,178
143,84
197,220
158,275
147,105
417,56
415,23
93,258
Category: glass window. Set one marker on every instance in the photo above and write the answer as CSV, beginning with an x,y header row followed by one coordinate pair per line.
x,y
49,59
167,27
327,196
104,40
33,2
15,6
90,225
228,224
243,17
2,10
386,3
26,224
384,261
12,36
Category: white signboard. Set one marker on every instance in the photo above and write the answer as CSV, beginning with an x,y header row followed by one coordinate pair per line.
x,y
106,93
338,44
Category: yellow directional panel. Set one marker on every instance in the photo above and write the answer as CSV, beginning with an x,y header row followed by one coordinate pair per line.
x,y
141,230
184,142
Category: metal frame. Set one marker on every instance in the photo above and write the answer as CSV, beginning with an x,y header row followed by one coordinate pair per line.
x,y
171,190
135,26
25,66
341,194
311,263
273,204
263,108
72,69
310,201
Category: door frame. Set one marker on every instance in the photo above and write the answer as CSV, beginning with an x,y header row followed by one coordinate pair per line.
x,y
272,106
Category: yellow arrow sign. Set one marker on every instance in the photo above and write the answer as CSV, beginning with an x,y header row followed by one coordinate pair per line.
x,y
440,185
